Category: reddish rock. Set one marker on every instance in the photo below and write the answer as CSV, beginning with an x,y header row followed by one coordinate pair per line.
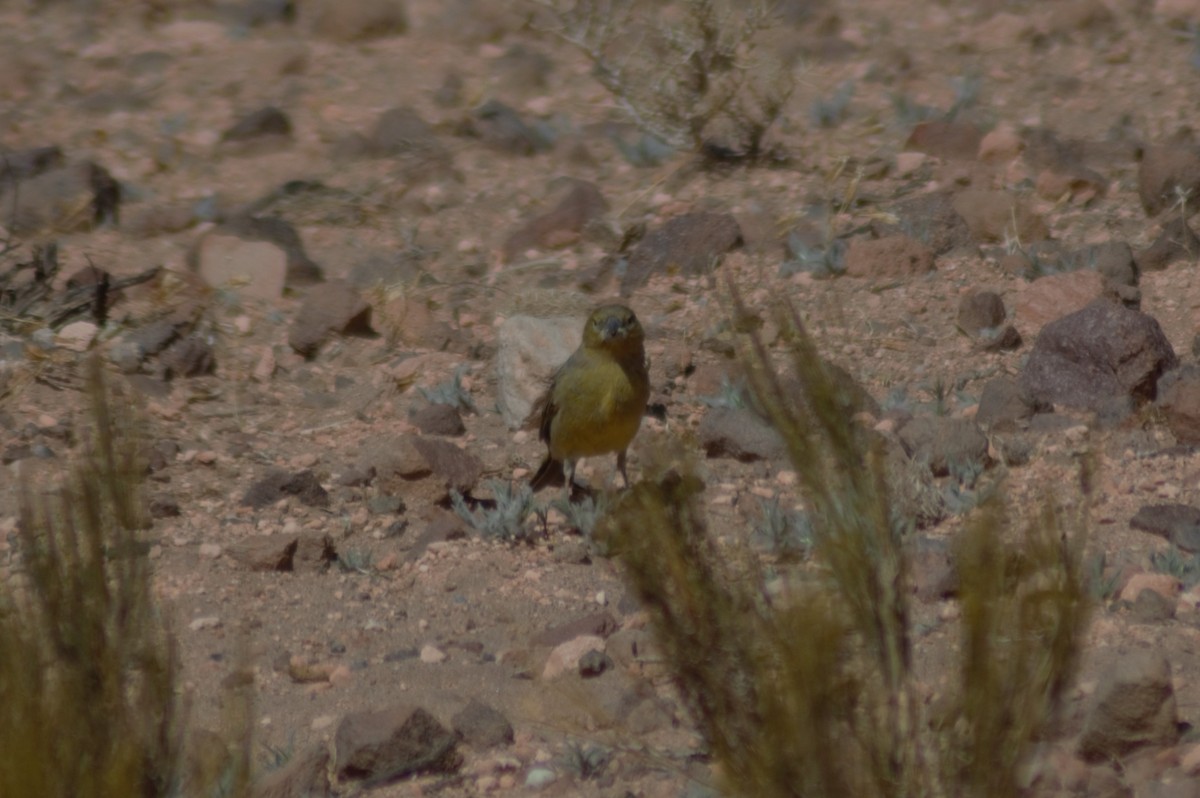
x,y
890,257
1056,295
950,140
997,216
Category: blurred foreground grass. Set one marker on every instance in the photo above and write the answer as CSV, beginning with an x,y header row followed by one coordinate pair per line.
x,y
803,683
90,703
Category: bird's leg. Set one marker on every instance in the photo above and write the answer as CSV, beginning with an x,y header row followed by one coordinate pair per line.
x,y
569,472
621,466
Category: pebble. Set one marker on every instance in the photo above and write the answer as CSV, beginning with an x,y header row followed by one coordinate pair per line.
x,y
538,778
210,550
432,655
207,622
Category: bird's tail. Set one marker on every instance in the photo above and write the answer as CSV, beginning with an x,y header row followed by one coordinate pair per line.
x,y
550,472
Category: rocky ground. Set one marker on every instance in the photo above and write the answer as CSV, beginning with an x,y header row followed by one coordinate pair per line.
x,y
339,250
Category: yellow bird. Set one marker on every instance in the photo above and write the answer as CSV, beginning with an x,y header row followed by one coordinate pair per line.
x,y
596,400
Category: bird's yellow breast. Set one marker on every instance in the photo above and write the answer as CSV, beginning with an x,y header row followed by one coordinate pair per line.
x,y
599,406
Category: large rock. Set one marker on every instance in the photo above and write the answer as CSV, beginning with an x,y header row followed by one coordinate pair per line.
x,y
689,245
1097,357
890,257
392,743
69,199
529,351
739,434
944,443
562,225
1134,707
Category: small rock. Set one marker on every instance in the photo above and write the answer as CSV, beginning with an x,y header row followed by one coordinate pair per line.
x,y
1166,171
253,268
1002,143
501,128
73,198
432,655
945,443
1150,606
593,664
337,308
1165,585
77,336
979,311
267,122
1057,295
192,356
355,20
206,622
277,485
1134,707
458,468
932,219
392,743
890,257
1175,244
1002,404
1178,523
949,140
993,215
481,726
565,657
599,624
540,777
562,225
688,245
437,418
210,550
740,434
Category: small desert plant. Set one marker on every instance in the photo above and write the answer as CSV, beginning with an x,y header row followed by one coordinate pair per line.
x,y
584,515
506,519
355,561
807,685
831,112
783,531
1172,561
690,74
827,259
89,703
451,392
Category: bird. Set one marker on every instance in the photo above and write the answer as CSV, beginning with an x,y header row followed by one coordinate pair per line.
x,y
596,400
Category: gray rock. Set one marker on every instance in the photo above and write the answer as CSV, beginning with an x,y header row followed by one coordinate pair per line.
x,y
691,244
561,225
402,131
1094,357
1002,404
390,743
1150,606
739,434
192,356
1134,707
301,270
437,418
931,219
69,199
280,484
979,311
265,122
1178,523
458,468
305,775
945,443
1164,171
482,726
338,308
501,128
598,624
1113,259
286,553
1176,243
529,351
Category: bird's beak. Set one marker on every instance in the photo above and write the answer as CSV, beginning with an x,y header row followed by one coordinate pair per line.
x,y
612,328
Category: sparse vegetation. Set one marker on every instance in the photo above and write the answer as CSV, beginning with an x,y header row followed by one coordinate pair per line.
x,y
451,392
507,518
690,74
1174,562
89,693
809,687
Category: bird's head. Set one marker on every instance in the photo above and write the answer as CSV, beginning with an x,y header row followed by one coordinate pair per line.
x,y
613,327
